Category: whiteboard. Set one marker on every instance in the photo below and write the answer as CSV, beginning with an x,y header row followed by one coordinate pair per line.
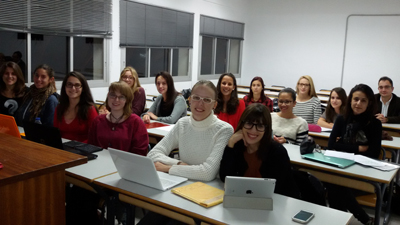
x,y
372,50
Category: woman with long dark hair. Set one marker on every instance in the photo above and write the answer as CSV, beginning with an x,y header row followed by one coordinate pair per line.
x,y
335,107
359,132
12,88
257,95
76,111
41,99
251,152
169,106
229,108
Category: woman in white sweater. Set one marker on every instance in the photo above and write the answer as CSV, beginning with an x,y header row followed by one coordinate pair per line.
x,y
287,127
200,138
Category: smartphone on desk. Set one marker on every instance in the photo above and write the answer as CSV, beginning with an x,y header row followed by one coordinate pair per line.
x,y
303,217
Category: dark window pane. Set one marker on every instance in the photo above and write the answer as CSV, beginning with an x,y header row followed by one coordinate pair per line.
x,y
88,57
53,51
12,42
234,56
180,62
206,55
221,56
159,61
136,57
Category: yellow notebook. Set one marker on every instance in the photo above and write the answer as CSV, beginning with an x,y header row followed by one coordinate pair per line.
x,y
201,193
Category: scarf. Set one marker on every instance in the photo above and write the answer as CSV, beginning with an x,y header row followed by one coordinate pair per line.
x,y
39,97
354,130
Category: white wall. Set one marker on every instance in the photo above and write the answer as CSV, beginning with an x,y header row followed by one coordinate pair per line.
x,y
286,39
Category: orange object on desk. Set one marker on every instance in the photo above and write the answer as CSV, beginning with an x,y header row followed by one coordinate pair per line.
x,y
155,125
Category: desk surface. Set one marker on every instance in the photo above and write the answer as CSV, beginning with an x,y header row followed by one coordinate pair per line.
x,y
394,126
355,171
284,207
23,159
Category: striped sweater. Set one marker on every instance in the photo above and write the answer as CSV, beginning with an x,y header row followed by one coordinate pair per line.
x,y
309,110
293,130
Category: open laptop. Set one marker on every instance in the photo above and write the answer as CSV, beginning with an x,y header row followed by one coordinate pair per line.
x,y
51,136
319,157
9,126
249,187
140,169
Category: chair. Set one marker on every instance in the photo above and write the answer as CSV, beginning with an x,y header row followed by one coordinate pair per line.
x,y
310,187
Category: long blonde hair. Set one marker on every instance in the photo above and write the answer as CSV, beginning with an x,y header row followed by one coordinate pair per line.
x,y
136,83
311,91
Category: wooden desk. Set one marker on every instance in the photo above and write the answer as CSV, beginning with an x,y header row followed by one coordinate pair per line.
x,y
32,182
156,134
275,89
169,204
392,128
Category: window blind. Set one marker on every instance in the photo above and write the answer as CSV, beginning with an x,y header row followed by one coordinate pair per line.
x,y
151,26
73,18
210,26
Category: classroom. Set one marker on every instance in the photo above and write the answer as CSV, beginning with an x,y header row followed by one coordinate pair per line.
x,y
338,43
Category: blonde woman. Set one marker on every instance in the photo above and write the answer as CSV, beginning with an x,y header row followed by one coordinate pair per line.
x,y
308,106
130,76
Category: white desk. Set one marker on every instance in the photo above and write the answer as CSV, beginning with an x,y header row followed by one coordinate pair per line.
x,y
392,128
284,207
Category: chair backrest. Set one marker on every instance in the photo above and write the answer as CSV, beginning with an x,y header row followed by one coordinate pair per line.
x,y
310,187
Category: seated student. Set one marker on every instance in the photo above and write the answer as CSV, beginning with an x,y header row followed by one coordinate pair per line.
x,y
335,107
308,105
388,103
287,127
200,138
12,88
103,109
120,129
130,76
76,111
359,132
41,100
229,108
257,95
169,106
251,152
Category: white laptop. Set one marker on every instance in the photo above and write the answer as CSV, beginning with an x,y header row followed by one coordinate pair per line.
x,y
249,187
140,169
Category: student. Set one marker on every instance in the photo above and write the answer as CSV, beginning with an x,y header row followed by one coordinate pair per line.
x,y
12,88
229,107
169,106
359,132
120,129
41,100
308,105
130,76
76,111
335,107
257,95
388,102
251,152
200,138
287,127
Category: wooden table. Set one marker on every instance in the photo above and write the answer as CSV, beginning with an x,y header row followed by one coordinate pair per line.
x,y
32,182
392,128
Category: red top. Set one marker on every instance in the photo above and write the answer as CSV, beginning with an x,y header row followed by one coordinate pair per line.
x,y
130,135
77,130
268,102
233,119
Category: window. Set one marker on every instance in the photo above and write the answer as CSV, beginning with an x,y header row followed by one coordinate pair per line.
x,y
89,57
12,42
221,42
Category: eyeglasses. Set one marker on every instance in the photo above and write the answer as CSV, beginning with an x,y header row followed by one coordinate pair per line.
x,y
284,102
259,127
114,97
303,85
127,78
205,100
71,85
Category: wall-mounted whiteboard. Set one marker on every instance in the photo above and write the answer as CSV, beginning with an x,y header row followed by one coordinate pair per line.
x,y
372,50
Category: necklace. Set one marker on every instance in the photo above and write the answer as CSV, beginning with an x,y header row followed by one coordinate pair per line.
x,y
116,120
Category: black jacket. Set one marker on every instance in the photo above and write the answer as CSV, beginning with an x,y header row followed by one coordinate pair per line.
x,y
393,114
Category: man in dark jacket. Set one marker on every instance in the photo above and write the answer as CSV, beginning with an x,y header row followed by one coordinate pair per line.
x,y
388,103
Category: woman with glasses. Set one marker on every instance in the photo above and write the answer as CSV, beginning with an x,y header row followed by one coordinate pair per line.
x,y
308,105
257,95
12,88
200,138
76,111
356,131
120,129
251,152
335,107
286,126
41,100
229,107
130,76
169,106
